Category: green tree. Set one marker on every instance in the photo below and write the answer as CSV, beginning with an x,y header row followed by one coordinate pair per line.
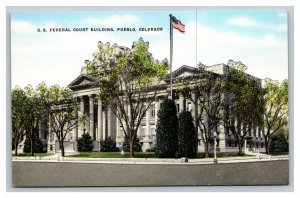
x,y
59,110
275,110
244,102
206,93
34,111
18,111
278,143
85,143
128,82
187,135
167,130
37,145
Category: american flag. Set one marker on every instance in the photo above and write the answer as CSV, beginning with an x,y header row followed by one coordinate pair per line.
x,y
178,25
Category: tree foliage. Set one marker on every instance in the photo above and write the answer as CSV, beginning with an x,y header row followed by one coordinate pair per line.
x,y
59,110
275,110
85,143
278,143
167,130
128,81
27,114
37,144
243,106
18,111
206,93
187,136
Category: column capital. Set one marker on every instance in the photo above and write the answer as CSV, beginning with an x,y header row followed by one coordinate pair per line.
x,y
99,101
91,96
80,97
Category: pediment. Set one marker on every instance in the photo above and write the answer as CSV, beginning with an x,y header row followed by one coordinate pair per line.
x,y
82,81
183,72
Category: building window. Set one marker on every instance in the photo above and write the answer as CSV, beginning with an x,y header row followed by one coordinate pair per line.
x,y
152,111
177,108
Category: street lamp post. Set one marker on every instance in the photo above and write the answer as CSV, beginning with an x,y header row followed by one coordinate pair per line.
x,y
215,147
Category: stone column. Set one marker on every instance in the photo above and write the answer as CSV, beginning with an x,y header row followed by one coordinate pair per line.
x,y
80,114
76,128
99,122
181,103
146,139
194,107
222,138
109,122
91,100
117,128
104,124
148,126
156,107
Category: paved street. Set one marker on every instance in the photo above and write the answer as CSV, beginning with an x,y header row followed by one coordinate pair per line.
x,y
40,174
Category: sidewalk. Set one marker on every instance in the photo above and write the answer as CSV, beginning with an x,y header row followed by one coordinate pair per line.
x,y
58,158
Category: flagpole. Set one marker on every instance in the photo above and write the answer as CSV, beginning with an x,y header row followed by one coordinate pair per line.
x,y
171,54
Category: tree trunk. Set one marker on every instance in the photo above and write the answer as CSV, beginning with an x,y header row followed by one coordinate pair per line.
x,y
206,150
267,146
62,148
240,147
131,150
31,146
16,149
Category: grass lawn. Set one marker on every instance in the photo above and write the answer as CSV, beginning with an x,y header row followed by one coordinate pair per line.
x,y
280,153
35,154
115,155
141,155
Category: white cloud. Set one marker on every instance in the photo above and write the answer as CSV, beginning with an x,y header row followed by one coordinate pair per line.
x,y
22,26
265,56
115,20
58,57
248,22
211,37
243,22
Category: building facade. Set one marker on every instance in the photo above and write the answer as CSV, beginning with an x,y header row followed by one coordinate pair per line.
x,y
102,123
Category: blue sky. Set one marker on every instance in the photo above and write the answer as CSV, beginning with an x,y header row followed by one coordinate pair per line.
x,y
257,38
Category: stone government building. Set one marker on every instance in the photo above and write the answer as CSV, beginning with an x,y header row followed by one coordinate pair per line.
x,y
102,123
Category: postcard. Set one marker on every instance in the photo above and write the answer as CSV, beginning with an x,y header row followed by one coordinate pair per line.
x,y
149,98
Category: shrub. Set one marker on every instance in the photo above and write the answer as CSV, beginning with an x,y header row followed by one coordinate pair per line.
x,y
109,145
167,129
136,145
152,149
187,136
85,143
279,143
37,145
